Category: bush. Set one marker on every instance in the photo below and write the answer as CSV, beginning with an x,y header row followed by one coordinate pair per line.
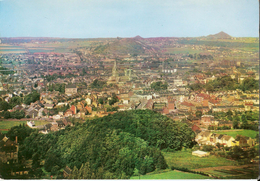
x,y
207,148
172,168
55,170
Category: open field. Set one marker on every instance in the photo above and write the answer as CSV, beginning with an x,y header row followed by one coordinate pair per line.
x,y
234,133
233,172
5,48
171,175
8,124
181,50
59,47
185,159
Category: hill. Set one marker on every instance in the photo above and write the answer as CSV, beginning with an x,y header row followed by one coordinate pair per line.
x,y
115,146
125,46
220,35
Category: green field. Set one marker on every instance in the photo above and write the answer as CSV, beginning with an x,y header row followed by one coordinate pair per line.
x,y
8,124
234,133
185,159
171,175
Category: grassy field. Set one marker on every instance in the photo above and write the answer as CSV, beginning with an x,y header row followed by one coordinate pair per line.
x,y
234,133
185,159
171,175
8,124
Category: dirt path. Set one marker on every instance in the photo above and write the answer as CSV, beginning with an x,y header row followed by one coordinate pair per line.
x,y
223,167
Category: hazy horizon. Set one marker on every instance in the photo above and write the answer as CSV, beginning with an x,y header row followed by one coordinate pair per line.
x,y
114,18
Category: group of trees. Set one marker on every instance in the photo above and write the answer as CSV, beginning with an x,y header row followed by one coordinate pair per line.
x,y
157,86
98,84
15,114
115,146
245,120
57,87
104,100
16,100
32,97
226,83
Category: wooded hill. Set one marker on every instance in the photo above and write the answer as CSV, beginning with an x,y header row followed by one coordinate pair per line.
x,y
124,46
115,146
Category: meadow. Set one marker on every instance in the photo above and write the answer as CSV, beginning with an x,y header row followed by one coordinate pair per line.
x,y
187,160
5,124
171,175
234,133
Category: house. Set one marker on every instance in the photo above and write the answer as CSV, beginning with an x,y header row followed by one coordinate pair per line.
x,y
88,101
228,140
187,105
203,138
73,109
89,109
9,150
68,113
195,128
71,89
54,126
207,120
31,124
60,124
245,141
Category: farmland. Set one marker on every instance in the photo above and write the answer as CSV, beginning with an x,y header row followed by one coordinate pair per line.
x,y
233,172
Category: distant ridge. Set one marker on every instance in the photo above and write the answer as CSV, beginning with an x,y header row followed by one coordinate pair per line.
x,y
124,46
220,35
138,37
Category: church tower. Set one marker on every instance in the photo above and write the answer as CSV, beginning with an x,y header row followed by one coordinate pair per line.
x,y
114,70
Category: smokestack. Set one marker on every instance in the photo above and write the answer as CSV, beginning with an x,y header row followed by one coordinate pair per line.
x,y
16,140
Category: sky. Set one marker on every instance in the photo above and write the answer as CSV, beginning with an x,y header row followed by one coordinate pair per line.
x,y
128,18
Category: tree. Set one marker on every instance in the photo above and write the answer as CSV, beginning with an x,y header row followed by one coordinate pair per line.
x,y
32,97
55,170
235,124
74,173
100,100
244,122
198,114
250,84
4,106
157,86
38,173
114,99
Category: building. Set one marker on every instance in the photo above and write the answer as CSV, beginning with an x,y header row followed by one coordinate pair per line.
x,y
200,153
207,120
9,150
71,89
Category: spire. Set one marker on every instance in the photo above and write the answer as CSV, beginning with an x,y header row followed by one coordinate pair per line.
x,y
114,70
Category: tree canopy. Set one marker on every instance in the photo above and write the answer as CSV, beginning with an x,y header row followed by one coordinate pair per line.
x,y
114,146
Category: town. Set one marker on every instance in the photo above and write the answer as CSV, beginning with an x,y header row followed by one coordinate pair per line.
x,y
208,83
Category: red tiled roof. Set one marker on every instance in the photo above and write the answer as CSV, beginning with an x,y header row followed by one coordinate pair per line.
x,y
187,104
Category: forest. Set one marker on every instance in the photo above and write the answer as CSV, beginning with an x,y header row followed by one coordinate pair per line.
x,y
112,147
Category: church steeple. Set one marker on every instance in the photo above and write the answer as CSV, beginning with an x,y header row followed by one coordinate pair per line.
x,y
114,70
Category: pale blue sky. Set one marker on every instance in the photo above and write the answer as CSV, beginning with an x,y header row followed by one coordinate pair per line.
x,y
128,18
